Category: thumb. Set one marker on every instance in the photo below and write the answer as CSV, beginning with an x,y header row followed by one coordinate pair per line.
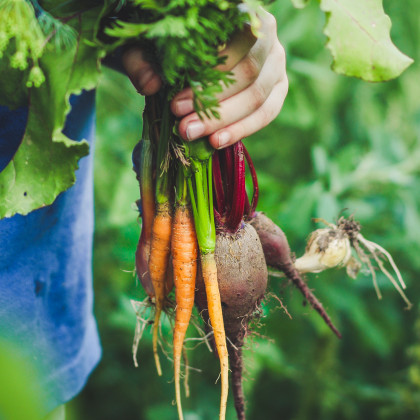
x,y
140,71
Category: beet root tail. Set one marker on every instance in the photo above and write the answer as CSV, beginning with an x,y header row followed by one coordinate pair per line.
x,y
277,254
293,275
236,366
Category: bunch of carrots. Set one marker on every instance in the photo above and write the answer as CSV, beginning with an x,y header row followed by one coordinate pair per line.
x,y
180,217
178,224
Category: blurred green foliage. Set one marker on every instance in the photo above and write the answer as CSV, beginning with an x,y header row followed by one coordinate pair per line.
x,y
20,398
338,143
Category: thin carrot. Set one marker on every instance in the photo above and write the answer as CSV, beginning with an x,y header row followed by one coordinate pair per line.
x,y
161,230
158,264
201,195
209,271
187,373
184,259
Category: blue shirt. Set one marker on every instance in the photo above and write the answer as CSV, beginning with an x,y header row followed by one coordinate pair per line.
x,y
46,296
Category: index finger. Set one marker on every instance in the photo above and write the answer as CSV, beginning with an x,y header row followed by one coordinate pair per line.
x,y
236,49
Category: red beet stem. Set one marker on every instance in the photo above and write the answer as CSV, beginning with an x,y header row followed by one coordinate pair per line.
x,y
247,207
219,194
146,205
218,219
238,201
228,174
255,194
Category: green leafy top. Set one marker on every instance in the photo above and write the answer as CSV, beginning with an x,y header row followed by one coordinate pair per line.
x,y
185,36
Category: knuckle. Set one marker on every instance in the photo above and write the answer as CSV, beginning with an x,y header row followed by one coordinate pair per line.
x,y
259,95
266,116
271,23
250,68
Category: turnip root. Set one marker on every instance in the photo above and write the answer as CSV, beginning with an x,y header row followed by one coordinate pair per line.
x,y
242,277
331,247
277,254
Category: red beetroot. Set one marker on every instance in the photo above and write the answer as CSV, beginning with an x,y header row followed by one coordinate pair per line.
x,y
277,254
143,167
242,277
142,263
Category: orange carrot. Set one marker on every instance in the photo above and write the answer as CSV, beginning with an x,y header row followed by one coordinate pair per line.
x,y
169,281
184,260
158,264
209,272
201,196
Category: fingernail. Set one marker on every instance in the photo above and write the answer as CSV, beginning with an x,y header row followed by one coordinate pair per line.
x,y
184,106
224,139
194,130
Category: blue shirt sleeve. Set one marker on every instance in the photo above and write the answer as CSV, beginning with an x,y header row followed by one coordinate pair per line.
x,y
46,297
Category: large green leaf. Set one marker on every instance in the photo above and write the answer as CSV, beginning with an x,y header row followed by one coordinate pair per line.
x,y
13,90
45,163
358,34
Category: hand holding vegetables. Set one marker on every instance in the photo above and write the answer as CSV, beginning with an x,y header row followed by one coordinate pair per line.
x,y
246,106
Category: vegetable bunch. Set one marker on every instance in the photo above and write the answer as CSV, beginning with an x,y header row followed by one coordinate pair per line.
x,y
180,212
193,199
183,39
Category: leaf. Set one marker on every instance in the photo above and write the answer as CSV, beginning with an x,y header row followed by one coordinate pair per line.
x,y
167,27
13,90
358,34
300,4
45,163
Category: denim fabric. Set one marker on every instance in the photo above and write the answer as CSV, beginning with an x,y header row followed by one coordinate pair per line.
x,y
46,297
